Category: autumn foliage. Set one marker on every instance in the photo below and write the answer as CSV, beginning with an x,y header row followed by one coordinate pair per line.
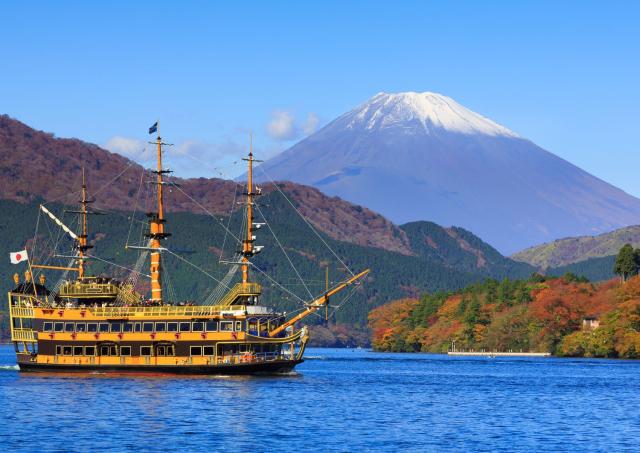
x,y
544,315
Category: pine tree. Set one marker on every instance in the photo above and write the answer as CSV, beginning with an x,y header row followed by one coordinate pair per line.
x,y
626,262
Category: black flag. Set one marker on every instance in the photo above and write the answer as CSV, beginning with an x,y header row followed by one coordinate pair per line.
x,y
153,128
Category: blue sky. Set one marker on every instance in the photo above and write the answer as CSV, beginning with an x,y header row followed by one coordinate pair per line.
x,y
563,74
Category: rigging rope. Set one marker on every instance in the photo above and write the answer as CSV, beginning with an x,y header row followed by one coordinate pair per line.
x,y
208,212
276,283
194,266
219,290
224,241
114,264
305,220
135,206
284,251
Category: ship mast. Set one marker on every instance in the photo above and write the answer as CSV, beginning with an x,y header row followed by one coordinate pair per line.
x,y
82,239
248,249
156,226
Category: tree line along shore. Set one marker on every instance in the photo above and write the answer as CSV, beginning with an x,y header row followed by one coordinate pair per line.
x,y
566,316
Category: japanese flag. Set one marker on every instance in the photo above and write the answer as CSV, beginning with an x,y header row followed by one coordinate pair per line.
x,y
18,257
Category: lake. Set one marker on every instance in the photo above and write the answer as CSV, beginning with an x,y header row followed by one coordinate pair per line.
x,y
338,400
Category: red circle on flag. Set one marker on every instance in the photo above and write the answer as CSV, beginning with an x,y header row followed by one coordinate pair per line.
x,y
18,256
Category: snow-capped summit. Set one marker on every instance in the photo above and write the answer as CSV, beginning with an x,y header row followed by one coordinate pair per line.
x,y
423,156
430,110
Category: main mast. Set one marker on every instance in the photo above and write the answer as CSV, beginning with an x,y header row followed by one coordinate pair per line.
x,y
156,223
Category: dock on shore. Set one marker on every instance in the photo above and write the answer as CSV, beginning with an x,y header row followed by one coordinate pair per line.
x,y
499,354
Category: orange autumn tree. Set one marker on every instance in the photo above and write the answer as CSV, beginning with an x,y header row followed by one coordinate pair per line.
x,y
540,314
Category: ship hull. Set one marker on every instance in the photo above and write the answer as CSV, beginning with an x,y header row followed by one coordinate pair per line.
x,y
273,367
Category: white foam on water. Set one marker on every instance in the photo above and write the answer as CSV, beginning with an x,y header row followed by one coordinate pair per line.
x,y
9,367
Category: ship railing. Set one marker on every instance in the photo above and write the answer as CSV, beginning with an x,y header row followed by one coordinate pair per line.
x,y
22,312
250,358
238,290
163,310
84,289
24,300
23,335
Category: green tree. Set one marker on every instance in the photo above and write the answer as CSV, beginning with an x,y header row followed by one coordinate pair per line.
x,y
491,294
626,263
473,310
505,293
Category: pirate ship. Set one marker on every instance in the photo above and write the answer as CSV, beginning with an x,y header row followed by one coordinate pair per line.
x,y
100,324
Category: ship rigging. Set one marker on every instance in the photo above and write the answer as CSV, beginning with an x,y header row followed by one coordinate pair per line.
x,y
90,323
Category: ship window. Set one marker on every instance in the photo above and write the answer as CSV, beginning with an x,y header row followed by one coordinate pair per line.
x,y
208,350
58,350
128,327
69,327
253,326
198,326
165,350
172,327
238,326
58,327
90,350
196,350
66,350
147,327
108,349
92,327
137,327
81,327
185,327
77,350
226,326
161,327
116,327
243,348
145,350
125,350
212,326
104,327
48,327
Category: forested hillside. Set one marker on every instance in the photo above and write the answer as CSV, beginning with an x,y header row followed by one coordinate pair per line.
x,y
565,316
202,240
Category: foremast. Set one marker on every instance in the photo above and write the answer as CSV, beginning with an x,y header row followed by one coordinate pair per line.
x,y
157,223
81,240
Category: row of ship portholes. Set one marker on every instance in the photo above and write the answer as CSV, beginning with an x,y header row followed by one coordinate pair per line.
x,y
112,350
144,327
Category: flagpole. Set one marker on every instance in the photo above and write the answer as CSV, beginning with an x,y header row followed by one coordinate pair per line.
x,y
33,277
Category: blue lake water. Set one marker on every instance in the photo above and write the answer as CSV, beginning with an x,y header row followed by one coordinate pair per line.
x,y
339,400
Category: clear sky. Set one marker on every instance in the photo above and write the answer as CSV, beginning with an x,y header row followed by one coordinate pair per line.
x,y
564,74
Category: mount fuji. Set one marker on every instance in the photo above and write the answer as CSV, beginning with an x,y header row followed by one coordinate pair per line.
x,y
422,156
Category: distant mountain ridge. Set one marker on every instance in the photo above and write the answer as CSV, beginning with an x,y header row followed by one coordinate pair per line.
x,y
564,252
413,156
36,165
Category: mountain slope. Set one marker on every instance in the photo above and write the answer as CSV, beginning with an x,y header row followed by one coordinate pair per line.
x,y
573,250
35,164
413,156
